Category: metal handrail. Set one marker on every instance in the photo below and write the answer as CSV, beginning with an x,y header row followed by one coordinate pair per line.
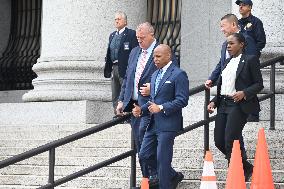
x,y
132,153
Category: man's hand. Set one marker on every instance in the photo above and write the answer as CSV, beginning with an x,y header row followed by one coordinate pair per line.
x,y
119,111
136,110
145,91
208,84
211,107
238,96
154,108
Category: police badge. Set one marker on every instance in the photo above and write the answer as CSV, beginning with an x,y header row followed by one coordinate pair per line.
x,y
248,26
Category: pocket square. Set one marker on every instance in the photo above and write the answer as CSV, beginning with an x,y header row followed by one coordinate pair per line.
x,y
168,82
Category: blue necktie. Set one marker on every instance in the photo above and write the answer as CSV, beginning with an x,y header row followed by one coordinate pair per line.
x,y
158,79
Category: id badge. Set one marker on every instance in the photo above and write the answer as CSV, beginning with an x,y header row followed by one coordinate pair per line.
x,y
126,46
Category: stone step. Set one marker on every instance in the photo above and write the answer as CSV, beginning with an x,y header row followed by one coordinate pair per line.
x,y
93,149
125,143
194,138
119,127
70,129
116,172
274,153
13,186
102,182
194,184
179,162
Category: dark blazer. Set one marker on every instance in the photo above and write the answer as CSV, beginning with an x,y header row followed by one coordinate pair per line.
x,y
249,80
128,81
128,42
250,49
172,93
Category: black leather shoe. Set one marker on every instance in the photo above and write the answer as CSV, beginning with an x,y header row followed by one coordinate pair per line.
x,y
248,169
177,179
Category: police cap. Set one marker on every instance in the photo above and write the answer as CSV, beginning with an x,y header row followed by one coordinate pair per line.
x,y
247,2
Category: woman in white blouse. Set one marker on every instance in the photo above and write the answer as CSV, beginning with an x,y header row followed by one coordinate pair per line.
x,y
237,87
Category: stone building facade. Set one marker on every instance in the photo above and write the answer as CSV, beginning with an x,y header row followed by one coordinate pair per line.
x,y
74,35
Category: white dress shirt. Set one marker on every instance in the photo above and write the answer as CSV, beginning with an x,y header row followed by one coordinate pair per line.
x,y
229,77
149,52
120,31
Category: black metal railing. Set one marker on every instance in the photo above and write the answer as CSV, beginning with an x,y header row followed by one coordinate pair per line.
x,y
271,93
132,153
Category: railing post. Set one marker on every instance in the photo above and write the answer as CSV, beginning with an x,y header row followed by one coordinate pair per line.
x,y
51,167
272,98
133,163
206,117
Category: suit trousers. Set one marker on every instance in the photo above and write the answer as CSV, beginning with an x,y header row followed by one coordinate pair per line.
x,y
139,129
135,124
116,82
229,124
159,143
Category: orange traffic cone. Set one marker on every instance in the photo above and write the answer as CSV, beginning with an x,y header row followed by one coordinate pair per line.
x,y
262,176
145,183
208,180
235,177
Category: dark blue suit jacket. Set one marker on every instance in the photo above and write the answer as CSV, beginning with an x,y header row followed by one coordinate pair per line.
x,y
253,27
127,43
249,80
172,94
128,82
250,49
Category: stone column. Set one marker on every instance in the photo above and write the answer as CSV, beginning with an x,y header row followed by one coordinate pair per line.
x,y
74,41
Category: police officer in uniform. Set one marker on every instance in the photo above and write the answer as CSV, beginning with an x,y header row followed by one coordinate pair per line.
x,y
253,27
250,24
121,42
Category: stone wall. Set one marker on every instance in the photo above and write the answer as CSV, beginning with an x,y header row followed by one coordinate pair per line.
x,y
201,38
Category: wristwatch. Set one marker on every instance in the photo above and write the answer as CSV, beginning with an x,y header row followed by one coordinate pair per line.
x,y
161,107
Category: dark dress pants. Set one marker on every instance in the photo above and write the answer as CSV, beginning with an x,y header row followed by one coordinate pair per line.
x,y
229,124
135,124
148,170
159,143
138,126
116,82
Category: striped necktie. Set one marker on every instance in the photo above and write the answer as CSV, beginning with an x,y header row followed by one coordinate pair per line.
x,y
140,68
158,79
